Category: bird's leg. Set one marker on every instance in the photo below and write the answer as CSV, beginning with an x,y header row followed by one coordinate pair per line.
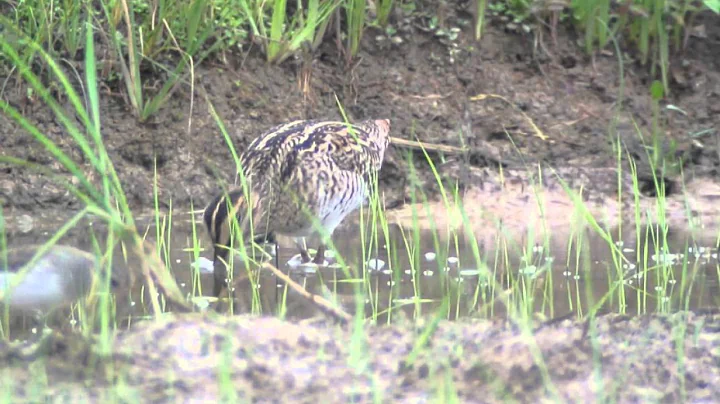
x,y
277,255
300,242
320,256
305,256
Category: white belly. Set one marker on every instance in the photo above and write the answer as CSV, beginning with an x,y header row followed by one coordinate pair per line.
x,y
338,206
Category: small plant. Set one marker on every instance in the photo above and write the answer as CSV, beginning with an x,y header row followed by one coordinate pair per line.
x,y
480,7
383,9
286,34
647,24
71,28
231,23
141,45
355,15
105,200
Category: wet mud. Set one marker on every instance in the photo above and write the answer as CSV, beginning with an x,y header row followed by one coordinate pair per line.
x,y
659,358
561,108
543,110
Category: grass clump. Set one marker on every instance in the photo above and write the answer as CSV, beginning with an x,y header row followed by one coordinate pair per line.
x,y
654,28
157,46
103,197
178,28
515,280
522,288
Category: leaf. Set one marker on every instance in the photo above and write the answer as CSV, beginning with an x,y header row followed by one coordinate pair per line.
x,y
672,107
656,90
277,27
713,5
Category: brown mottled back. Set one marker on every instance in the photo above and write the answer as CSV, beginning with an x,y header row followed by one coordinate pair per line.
x,y
272,155
299,175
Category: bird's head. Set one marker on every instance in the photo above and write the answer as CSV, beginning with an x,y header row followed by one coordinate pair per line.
x,y
378,132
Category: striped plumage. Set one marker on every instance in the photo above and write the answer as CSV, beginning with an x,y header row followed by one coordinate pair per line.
x,y
297,174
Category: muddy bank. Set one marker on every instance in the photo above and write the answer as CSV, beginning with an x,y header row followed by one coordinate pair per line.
x,y
421,80
552,201
667,358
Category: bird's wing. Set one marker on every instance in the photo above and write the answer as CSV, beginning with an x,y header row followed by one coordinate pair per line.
x,y
274,155
266,153
349,148
318,187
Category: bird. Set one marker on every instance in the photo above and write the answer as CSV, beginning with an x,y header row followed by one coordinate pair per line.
x,y
298,179
61,275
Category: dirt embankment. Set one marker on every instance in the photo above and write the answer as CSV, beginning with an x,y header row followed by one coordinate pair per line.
x,y
422,81
626,359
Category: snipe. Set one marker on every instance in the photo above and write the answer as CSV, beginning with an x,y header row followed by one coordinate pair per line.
x,y
57,278
299,178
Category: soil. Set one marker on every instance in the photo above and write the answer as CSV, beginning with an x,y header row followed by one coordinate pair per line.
x,y
658,358
421,81
557,106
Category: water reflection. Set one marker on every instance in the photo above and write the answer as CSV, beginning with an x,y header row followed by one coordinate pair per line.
x,y
414,271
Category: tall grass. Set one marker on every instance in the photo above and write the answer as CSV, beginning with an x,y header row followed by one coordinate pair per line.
x,y
355,18
170,38
646,24
104,197
502,283
383,10
107,201
177,27
285,33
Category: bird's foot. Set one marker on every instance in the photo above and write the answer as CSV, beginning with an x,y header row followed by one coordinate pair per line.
x,y
320,256
304,257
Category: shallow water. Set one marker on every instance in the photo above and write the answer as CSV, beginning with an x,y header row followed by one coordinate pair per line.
x,y
514,271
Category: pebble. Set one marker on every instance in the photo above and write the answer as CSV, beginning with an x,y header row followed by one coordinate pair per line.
x,y
204,265
376,264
